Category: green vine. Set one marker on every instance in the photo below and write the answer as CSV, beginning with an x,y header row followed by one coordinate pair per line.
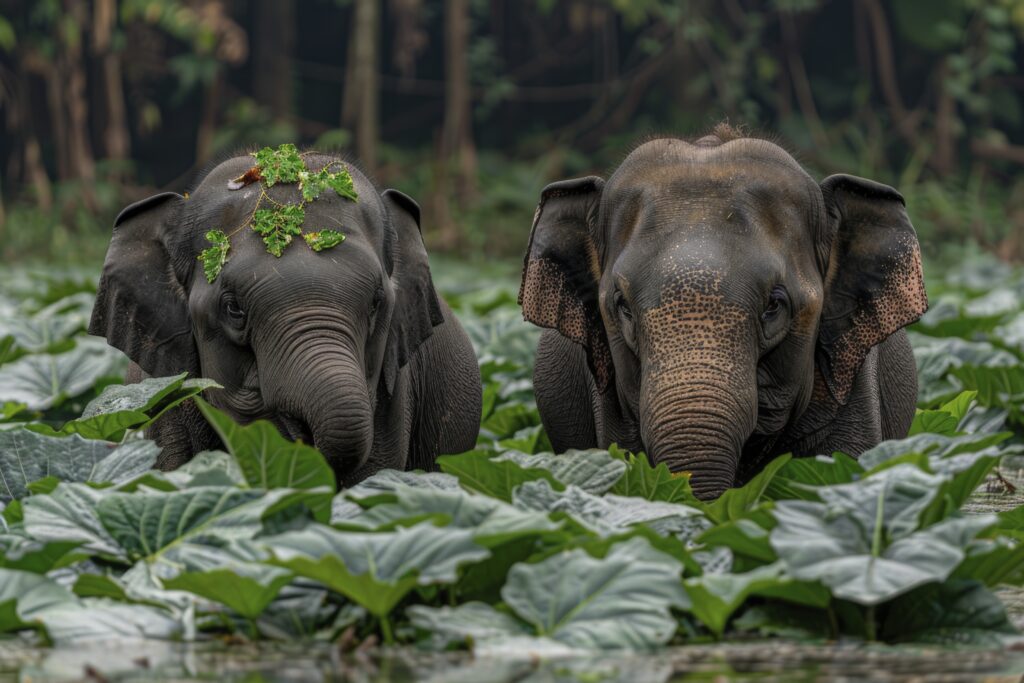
x,y
280,223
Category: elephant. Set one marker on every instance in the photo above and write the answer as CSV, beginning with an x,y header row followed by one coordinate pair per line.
x,y
712,305
350,349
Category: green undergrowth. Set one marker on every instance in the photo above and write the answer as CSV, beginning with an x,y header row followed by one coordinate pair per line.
x,y
507,547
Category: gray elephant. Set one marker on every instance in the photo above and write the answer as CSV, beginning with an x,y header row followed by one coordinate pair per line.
x,y
349,349
714,306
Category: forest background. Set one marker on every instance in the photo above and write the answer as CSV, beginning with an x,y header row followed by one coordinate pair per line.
x,y
472,106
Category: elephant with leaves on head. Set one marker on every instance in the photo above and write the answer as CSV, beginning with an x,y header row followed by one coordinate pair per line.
x,y
714,306
349,349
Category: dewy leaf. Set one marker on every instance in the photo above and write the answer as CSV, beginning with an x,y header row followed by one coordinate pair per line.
x,y
279,225
323,239
376,569
620,600
281,165
26,456
270,461
214,257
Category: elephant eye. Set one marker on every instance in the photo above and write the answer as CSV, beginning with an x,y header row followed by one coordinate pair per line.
x,y
623,306
233,311
776,302
626,325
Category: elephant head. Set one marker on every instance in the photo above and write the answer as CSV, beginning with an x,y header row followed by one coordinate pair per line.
x,y
312,341
715,287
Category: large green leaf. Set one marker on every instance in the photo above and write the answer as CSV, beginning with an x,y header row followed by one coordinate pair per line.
x,y
863,541
714,597
951,613
69,514
121,407
161,527
43,381
26,456
21,552
594,470
620,600
245,589
25,595
376,570
734,503
640,480
476,471
268,460
611,515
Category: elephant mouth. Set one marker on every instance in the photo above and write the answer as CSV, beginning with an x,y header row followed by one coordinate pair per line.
x,y
294,428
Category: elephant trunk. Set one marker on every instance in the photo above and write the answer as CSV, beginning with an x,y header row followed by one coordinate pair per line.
x,y
700,428
321,393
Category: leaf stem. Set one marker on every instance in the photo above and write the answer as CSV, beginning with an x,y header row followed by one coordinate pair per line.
x,y
385,627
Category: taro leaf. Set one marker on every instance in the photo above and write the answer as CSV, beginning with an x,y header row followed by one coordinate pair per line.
x,y
594,470
214,257
799,477
620,600
934,422
207,468
863,543
507,420
95,619
993,562
270,461
323,239
44,381
640,480
477,472
933,445
747,537
470,623
383,483
528,440
41,333
996,386
69,514
491,521
163,527
734,503
21,552
245,589
278,226
281,165
376,570
715,597
26,456
611,515
25,595
952,613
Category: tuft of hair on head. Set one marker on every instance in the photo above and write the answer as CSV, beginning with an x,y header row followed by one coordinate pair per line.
x,y
722,132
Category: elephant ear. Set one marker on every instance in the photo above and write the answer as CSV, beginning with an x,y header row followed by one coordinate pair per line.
x,y
140,305
561,270
417,309
874,284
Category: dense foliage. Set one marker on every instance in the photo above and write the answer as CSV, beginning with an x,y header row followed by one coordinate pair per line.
x,y
507,546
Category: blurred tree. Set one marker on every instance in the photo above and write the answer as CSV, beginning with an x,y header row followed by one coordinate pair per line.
x,y
361,91
273,38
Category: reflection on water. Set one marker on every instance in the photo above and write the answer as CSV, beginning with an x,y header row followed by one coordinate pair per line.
x,y
765,661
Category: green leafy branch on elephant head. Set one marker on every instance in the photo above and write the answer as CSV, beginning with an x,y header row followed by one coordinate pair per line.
x,y
280,223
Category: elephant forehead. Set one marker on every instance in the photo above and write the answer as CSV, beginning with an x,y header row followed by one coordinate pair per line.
x,y
696,329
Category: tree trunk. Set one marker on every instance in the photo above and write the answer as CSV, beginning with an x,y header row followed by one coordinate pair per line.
x,y
208,120
272,80
116,137
457,131
82,164
359,104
